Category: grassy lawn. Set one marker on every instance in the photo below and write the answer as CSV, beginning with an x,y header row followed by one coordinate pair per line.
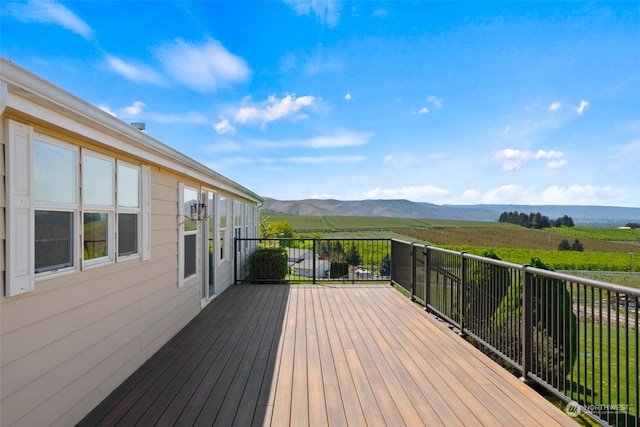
x,y
593,379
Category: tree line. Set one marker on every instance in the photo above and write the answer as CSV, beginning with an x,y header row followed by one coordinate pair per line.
x,y
535,220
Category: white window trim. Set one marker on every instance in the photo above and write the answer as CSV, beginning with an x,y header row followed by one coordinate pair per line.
x,y
20,276
182,233
124,210
73,207
110,210
226,254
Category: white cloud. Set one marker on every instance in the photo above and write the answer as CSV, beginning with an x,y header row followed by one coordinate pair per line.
x,y
470,196
341,139
509,194
512,159
423,110
415,193
50,12
583,104
134,109
506,130
347,97
275,109
579,194
223,126
326,11
437,102
554,195
203,67
555,106
542,154
133,72
556,165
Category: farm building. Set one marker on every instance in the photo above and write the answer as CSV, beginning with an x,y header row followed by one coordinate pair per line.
x,y
112,242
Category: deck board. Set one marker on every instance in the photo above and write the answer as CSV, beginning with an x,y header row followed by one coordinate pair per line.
x,y
311,355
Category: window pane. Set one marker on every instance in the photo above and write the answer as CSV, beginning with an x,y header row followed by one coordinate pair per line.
x,y
189,255
190,197
97,181
96,231
128,186
55,173
53,240
222,212
127,234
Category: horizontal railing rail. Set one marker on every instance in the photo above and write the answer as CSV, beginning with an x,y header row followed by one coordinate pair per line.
x,y
578,338
313,260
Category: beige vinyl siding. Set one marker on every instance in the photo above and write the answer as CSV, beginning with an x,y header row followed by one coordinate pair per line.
x,y
69,342
64,341
2,205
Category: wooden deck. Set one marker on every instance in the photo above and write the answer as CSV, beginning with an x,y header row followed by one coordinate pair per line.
x,y
321,355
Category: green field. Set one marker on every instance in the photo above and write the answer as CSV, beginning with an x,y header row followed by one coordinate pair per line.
x,y
608,253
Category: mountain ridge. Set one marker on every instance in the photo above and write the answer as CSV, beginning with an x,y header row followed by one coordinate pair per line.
x,y
401,208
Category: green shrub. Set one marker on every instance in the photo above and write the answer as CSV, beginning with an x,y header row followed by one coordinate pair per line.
x,y
339,269
554,322
268,264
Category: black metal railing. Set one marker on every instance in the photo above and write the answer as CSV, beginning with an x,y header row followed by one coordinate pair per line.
x,y
577,338
312,260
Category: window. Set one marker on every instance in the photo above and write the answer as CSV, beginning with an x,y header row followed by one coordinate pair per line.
x,y
188,250
222,221
62,204
97,207
55,199
128,209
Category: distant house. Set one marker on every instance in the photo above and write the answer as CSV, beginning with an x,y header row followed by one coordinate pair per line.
x,y
111,243
301,263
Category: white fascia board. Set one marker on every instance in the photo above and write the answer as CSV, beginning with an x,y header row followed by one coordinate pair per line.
x,y
36,97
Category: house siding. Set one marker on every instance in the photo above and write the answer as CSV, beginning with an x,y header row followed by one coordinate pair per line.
x,y
66,345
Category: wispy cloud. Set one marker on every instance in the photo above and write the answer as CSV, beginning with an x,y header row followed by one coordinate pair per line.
x,y
311,62
317,160
555,106
380,13
204,67
348,97
326,11
49,12
417,193
274,109
134,72
224,126
437,102
412,159
342,139
512,159
423,110
583,104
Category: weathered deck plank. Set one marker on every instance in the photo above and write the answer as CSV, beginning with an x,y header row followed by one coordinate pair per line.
x,y
321,355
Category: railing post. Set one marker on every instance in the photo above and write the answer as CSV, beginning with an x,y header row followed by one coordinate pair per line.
x,y
413,271
427,277
315,255
527,327
463,292
235,260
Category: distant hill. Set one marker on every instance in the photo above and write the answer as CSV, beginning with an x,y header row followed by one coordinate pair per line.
x,y
582,215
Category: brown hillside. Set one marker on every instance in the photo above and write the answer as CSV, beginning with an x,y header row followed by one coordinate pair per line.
x,y
507,237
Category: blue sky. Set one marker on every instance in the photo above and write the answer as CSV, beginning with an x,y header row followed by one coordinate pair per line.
x,y
441,102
